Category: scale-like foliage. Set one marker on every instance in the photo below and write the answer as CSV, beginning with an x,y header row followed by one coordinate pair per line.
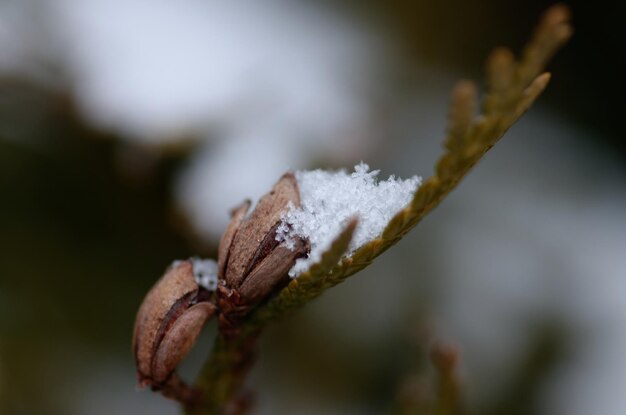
x,y
512,87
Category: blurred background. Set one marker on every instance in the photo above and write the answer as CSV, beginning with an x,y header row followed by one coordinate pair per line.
x,y
128,129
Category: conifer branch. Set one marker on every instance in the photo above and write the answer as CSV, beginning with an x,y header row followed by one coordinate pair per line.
x,y
512,86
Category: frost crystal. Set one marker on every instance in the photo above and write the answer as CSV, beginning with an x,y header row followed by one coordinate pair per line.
x,y
329,199
205,273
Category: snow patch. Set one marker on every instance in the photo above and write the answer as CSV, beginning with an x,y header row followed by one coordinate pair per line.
x,y
204,272
329,199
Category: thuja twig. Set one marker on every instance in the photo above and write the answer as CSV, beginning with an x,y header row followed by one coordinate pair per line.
x,y
512,86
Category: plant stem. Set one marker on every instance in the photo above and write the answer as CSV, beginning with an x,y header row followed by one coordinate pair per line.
x,y
223,375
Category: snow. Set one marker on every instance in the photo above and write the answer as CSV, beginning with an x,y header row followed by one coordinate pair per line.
x,y
204,272
330,199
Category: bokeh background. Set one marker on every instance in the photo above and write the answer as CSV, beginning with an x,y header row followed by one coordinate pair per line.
x,y
129,128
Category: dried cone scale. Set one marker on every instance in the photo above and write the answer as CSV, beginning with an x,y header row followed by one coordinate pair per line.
x,y
168,323
252,263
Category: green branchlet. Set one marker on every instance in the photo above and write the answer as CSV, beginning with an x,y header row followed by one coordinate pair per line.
x,y
512,88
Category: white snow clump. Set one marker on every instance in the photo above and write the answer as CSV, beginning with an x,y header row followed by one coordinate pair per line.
x,y
329,199
204,272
